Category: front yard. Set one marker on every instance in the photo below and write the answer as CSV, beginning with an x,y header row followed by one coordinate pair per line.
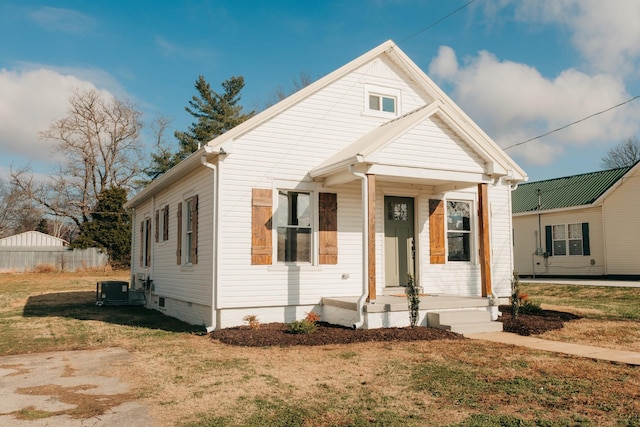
x,y
190,379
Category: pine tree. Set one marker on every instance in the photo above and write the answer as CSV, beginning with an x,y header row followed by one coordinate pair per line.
x,y
109,228
216,113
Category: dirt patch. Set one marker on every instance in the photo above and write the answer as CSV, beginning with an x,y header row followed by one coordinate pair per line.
x,y
277,334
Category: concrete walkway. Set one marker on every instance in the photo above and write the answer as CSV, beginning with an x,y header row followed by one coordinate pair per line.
x,y
598,353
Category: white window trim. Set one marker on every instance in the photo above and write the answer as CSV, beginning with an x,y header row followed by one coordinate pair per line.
x,y
383,92
473,244
567,240
162,224
302,187
185,249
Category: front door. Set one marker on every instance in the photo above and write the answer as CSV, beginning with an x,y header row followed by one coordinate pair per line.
x,y
399,245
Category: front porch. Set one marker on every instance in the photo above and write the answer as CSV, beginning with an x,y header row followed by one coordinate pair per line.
x,y
461,314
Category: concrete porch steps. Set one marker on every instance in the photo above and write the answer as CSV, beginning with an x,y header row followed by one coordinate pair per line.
x,y
463,321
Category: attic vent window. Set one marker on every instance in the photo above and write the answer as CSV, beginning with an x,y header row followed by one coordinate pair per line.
x,y
381,101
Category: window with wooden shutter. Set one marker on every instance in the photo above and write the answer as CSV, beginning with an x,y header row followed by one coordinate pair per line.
x,y
436,231
179,235
261,225
192,230
328,228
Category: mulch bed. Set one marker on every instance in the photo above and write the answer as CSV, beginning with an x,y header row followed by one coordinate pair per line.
x,y
534,324
277,334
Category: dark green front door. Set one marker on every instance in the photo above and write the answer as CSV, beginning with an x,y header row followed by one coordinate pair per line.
x,y
398,240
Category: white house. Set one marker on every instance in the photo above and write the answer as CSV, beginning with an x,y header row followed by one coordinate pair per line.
x,y
579,225
331,200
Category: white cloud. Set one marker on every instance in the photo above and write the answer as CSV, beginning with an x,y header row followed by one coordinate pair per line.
x,y
65,20
29,102
606,33
513,102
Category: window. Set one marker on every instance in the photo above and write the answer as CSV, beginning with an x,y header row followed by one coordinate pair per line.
x,y
568,239
293,220
458,231
145,242
383,103
187,241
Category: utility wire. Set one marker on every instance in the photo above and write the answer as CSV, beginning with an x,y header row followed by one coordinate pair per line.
x,y
572,123
436,22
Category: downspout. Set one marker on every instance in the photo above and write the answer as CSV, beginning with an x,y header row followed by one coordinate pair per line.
x,y
365,248
214,271
133,236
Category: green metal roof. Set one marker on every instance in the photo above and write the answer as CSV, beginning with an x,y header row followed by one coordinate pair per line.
x,y
568,191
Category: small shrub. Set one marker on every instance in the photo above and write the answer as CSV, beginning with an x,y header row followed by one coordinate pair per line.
x,y
530,307
303,326
413,297
252,321
312,317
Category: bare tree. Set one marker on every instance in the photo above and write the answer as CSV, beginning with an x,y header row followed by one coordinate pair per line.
x,y
17,212
300,82
624,154
99,139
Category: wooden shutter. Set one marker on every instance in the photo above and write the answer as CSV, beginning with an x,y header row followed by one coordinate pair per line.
x,y
142,243
157,232
194,230
261,218
586,250
548,233
147,241
165,224
328,228
436,231
179,236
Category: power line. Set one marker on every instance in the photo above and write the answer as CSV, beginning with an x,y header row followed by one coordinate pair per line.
x,y
436,22
573,123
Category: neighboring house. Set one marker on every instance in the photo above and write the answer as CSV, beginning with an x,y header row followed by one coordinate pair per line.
x,y
580,225
345,191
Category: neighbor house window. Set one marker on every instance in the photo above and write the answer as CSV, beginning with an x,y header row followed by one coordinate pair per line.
x,y
187,241
293,220
458,231
567,239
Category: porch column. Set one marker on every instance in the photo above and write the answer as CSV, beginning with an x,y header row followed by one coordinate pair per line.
x,y
485,246
371,238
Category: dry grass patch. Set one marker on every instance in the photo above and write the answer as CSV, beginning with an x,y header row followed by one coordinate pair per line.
x,y
190,380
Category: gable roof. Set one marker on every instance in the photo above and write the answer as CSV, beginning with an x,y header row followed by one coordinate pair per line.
x,y
32,238
570,191
224,143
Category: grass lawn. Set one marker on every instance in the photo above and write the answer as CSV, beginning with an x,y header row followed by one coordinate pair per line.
x,y
189,380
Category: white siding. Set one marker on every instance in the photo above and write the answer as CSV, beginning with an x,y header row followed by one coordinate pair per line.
x,y
432,145
525,238
192,284
622,228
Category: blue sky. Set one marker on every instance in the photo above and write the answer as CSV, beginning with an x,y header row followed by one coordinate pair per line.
x,y
519,68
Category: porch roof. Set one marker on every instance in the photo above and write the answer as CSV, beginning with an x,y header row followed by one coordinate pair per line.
x,y
364,156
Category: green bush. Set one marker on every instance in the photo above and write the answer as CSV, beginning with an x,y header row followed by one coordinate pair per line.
x,y
304,326
530,307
